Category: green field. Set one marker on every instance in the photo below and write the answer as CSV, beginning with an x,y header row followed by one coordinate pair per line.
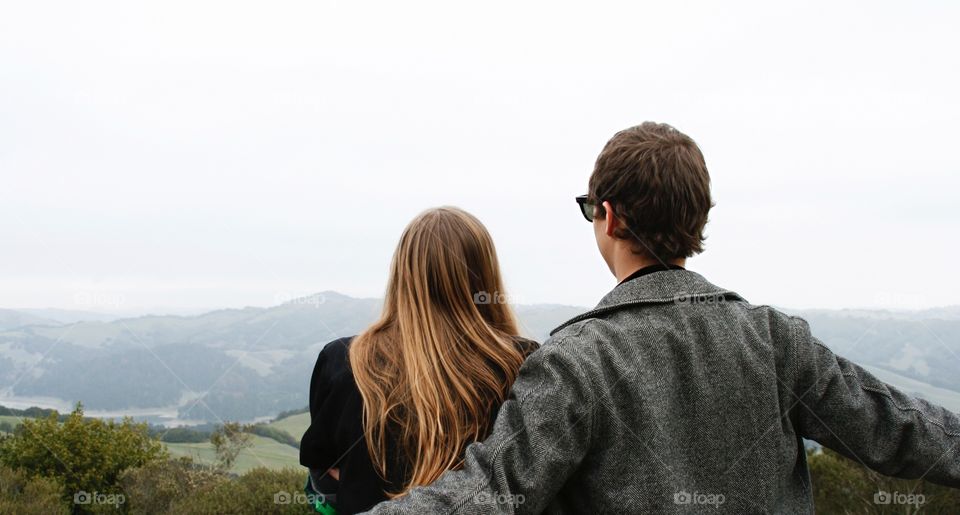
x,y
294,425
264,452
12,420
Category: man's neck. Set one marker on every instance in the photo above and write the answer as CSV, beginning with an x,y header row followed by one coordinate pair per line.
x,y
630,267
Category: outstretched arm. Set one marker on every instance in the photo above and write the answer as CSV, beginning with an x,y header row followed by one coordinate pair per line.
x,y
540,437
847,409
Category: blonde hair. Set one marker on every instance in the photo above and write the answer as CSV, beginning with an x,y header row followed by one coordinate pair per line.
x,y
442,356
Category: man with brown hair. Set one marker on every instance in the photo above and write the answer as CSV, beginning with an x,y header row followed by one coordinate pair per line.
x,y
674,395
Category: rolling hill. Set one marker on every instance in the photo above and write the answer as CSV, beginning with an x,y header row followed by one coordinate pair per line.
x,y
252,363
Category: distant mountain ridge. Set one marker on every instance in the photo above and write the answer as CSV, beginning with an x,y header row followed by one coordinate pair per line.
x,y
224,364
254,362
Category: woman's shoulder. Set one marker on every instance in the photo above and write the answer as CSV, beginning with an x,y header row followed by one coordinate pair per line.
x,y
333,362
337,350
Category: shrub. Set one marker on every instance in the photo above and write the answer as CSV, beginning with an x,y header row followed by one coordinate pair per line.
x,y
21,493
152,488
180,435
86,455
259,491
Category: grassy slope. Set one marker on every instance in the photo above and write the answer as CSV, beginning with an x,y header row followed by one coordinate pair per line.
x,y
293,425
264,452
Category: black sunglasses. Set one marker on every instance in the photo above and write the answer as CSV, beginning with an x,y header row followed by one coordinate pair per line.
x,y
588,209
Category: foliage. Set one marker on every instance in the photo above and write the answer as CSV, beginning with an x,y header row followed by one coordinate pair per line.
x,y
228,440
260,491
31,412
86,455
21,493
180,434
841,485
152,488
289,413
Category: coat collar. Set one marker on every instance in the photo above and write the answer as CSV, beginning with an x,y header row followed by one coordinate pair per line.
x,y
664,287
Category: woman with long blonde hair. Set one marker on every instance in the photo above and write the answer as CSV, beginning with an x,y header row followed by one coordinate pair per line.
x,y
396,406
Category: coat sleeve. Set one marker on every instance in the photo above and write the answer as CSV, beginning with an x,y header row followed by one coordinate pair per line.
x,y
317,447
847,409
539,439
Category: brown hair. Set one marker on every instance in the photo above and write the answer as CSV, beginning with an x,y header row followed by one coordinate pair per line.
x,y
436,363
656,179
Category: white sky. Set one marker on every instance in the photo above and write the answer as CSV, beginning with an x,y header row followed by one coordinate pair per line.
x,y
209,154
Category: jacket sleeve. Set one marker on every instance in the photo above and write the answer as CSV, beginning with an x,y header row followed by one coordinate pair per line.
x,y
317,445
847,409
541,434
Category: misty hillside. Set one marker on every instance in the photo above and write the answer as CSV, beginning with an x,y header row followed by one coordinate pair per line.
x,y
225,364
10,319
255,362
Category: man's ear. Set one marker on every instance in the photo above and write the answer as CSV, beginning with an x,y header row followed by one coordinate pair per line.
x,y
612,222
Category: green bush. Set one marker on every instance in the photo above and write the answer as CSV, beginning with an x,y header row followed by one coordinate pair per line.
x,y
180,435
153,488
21,493
260,491
86,456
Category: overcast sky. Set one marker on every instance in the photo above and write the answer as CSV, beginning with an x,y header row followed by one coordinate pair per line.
x,y
213,154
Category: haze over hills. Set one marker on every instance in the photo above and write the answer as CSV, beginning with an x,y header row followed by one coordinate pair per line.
x,y
10,319
250,363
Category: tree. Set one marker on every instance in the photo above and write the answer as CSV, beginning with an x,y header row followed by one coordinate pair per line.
x,y
228,440
86,455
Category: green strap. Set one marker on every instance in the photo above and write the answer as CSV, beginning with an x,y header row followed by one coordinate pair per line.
x,y
324,507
